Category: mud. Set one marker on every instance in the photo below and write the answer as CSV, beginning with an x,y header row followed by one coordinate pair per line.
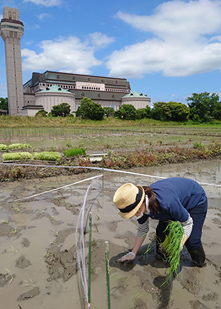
x,y
38,252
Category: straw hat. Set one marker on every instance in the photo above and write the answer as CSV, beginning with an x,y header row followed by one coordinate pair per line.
x,y
128,199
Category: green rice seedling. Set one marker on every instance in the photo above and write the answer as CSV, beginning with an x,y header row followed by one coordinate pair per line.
x,y
14,231
56,233
29,282
149,247
16,156
46,155
16,208
171,245
74,152
3,147
12,278
13,250
137,296
19,146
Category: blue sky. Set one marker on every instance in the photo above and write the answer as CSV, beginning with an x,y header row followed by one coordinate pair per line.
x,y
166,49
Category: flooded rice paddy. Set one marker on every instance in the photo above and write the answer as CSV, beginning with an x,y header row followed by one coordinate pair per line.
x,y
38,266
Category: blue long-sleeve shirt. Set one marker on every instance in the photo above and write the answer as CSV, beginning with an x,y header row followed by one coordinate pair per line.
x,y
176,197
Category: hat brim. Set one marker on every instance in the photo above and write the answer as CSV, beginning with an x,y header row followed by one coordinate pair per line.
x,y
128,215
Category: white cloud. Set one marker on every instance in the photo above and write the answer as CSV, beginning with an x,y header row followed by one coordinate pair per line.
x,y
99,40
67,54
186,40
43,16
47,3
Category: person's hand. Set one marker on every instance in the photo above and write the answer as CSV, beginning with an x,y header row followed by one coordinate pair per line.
x,y
127,257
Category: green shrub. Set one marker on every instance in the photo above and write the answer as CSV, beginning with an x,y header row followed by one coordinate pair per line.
x,y
3,147
19,146
17,156
199,145
46,155
74,152
41,113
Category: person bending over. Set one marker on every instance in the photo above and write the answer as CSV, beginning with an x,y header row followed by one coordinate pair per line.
x,y
177,199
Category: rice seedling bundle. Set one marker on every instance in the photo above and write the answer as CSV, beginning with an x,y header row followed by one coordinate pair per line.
x,y
3,147
16,156
74,152
47,155
172,245
19,146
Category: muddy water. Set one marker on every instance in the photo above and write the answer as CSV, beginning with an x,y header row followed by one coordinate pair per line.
x,y
38,266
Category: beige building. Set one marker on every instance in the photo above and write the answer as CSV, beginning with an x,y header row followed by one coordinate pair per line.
x,y
54,96
138,100
107,91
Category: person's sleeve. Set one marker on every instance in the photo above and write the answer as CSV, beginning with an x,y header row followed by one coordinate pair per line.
x,y
187,226
143,228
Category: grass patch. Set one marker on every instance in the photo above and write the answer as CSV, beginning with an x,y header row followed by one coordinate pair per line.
x,y
40,122
74,152
16,156
46,155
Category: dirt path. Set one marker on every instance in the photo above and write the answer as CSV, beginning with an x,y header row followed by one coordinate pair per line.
x,y
38,252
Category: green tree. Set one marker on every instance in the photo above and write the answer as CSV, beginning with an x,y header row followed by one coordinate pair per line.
x,y
204,105
141,113
158,112
178,111
61,110
172,111
108,112
217,111
148,111
4,103
126,111
90,110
